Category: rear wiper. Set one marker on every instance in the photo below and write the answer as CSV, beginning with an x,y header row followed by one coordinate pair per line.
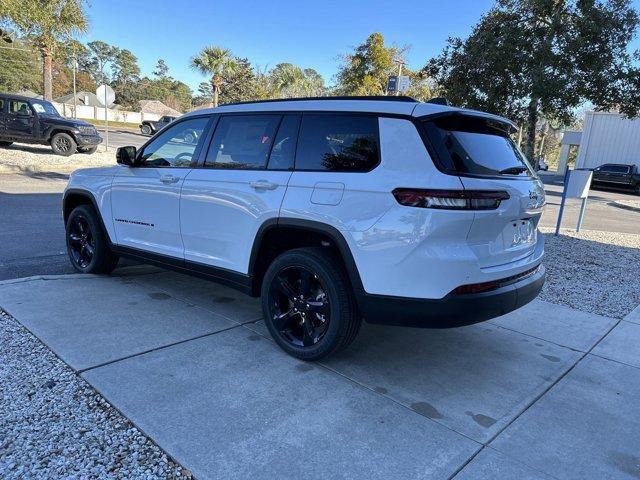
x,y
513,170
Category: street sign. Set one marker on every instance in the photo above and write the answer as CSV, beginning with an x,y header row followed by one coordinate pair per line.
x,y
576,185
106,95
392,84
403,83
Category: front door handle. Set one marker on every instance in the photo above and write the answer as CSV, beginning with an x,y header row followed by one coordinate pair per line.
x,y
168,179
264,185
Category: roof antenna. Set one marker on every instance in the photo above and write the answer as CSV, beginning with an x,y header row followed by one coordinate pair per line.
x,y
439,101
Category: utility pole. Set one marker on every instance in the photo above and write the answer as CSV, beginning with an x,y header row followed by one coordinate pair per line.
x,y
400,63
75,102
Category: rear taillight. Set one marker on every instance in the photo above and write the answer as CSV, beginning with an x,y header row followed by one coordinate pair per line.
x,y
450,199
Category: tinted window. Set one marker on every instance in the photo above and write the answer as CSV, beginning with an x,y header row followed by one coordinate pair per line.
x,y
339,143
476,146
242,141
284,146
19,108
44,107
176,146
615,169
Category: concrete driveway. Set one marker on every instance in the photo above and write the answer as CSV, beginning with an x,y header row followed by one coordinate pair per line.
x,y
545,392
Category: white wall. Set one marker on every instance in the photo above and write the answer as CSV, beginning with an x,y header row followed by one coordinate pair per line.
x,y
97,113
609,138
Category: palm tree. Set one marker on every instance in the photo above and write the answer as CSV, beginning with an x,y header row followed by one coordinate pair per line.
x,y
217,62
46,23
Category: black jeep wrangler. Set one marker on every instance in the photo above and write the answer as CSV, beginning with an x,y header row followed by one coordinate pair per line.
x,y
30,120
150,127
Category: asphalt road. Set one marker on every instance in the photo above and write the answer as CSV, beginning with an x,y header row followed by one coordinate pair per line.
x,y
32,234
122,138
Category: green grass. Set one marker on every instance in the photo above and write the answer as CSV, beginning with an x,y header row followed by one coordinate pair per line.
x,y
100,123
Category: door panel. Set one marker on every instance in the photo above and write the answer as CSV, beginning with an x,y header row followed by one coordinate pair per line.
x,y
224,203
145,204
146,199
21,120
222,210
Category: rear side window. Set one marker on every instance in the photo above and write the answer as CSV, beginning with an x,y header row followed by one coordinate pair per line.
x,y
615,169
18,107
338,143
284,146
242,141
476,146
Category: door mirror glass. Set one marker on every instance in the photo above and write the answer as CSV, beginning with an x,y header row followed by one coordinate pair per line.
x,y
126,156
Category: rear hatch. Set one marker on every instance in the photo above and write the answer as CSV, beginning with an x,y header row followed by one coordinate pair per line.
x,y
480,150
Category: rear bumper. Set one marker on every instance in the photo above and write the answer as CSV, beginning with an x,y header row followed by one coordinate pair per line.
x,y
452,310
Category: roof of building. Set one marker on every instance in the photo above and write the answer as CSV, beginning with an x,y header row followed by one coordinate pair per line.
x,y
27,94
157,107
83,98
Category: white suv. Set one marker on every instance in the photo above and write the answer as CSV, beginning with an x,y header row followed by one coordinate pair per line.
x,y
332,210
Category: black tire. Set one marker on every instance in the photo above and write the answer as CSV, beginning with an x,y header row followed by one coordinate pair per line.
x,y
146,130
87,243
6,144
63,144
311,335
88,151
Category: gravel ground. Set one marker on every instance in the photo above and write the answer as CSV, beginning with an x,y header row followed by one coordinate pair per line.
x,y
25,158
54,425
593,271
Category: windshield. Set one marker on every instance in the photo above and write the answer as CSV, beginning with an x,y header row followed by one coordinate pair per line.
x,y
476,146
44,107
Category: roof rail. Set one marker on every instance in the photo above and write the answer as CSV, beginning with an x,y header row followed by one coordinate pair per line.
x,y
439,101
384,98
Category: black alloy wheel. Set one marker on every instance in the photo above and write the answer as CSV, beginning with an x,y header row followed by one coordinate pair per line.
x,y
87,242
308,303
63,144
300,308
81,242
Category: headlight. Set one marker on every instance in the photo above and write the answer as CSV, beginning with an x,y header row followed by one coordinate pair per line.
x,y
87,130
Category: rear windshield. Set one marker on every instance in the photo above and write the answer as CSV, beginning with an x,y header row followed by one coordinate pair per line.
x,y
476,146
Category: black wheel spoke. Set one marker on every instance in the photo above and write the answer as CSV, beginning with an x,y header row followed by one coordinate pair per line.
x,y
308,332
305,282
282,320
285,287
89,250
74,238
319,306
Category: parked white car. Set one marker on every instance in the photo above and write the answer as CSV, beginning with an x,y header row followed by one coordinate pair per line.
x,y
332,210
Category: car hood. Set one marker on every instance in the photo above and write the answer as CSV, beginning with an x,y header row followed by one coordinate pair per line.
x,y
67,122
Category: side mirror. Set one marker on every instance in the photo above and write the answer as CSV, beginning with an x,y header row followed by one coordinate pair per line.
x,y
126,156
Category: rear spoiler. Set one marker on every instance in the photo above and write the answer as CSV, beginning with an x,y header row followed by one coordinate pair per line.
x,y
509,126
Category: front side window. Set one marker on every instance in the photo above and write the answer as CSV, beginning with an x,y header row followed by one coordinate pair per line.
x,y
18,107
338,143
476,146
176,146
242,141
45,107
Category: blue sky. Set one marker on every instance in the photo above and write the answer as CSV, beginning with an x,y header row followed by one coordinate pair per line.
x,y
309,34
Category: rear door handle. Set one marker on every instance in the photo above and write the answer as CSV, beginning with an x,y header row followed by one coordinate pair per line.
x,y
169,179
263,185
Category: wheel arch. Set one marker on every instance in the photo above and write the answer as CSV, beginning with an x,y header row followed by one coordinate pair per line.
x,y
73,198
54,130
279,235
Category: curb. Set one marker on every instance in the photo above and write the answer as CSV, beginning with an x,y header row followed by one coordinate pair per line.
x,y
131,270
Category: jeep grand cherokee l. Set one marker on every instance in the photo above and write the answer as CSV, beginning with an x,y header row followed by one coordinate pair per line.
x,y
331,210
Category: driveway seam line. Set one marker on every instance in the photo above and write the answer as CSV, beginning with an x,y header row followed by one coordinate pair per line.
x,y
155,349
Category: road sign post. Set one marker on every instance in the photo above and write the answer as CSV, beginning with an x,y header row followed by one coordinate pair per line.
x,y
576,185
106,96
